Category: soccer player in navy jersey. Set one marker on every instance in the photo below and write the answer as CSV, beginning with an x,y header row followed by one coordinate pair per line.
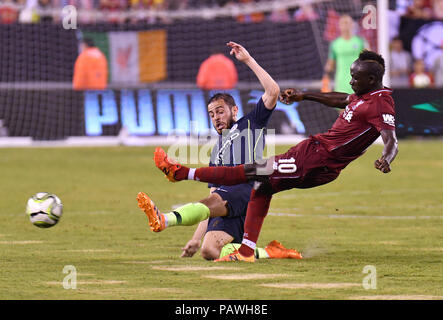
x,y
222,214
368,114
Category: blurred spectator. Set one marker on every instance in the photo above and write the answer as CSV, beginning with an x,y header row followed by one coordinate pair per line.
x,y
253,17
437,69
29,12
306,12
136,7
8,12
400,64
86,6
401,6
280,15
161,5
331,31
112,9
178,4
343,51
44,7
217,72
420,9
437,9
91,68
420,78
152,5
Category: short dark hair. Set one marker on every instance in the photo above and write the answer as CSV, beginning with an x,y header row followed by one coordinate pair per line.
x,y
226,97
89,42
377,63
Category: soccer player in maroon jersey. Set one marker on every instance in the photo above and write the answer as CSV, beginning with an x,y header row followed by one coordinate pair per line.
x,y
368,113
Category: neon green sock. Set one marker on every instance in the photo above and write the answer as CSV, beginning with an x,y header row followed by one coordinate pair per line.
x,y
261,253
187,215
229,248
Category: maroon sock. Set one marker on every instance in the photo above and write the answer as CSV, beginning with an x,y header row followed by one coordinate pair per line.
x,y
181,174
226,176
257,210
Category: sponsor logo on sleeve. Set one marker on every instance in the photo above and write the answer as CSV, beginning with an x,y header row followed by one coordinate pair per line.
x,y
389,119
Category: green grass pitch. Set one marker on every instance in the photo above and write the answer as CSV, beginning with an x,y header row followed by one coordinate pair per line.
x,y
392,222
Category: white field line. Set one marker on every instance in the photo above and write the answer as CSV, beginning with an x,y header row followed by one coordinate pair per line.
x,y
87,250
145,262
249,276
310,285
347,216
191,268
21,242
90,282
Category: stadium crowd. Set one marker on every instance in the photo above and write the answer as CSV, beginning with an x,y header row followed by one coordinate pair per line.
x,y
405,71
12,11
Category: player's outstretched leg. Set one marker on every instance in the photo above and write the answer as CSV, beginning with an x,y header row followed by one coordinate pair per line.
x,y
186,215
174,171
255,215
236,256
276,250
155,217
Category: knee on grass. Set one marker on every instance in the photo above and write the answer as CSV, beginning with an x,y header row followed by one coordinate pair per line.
x,y
210,253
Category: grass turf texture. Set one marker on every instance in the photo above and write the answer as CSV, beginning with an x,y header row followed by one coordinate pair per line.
x,y
393,222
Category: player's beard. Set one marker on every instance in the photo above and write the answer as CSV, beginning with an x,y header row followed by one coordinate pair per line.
x,y
229,124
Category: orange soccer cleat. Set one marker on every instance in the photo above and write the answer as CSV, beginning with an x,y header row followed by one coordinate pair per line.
x,y
166,164
236,256
276,250
156,219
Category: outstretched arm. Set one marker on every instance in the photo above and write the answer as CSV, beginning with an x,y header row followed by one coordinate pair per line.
x,y
390,151
272,90
194,244
330,99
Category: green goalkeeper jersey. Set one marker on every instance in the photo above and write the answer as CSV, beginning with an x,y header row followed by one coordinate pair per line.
x,y
344,53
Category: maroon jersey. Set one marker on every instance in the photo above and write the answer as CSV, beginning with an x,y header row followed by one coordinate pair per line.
x,y
359,125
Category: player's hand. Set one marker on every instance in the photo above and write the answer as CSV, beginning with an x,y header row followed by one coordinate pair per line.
x,y
239,51
383,165
289,96
190,248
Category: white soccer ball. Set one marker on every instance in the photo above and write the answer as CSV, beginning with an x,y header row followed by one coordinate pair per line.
x,y
44,209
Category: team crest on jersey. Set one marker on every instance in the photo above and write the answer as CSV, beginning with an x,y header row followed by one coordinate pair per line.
x,y
389,119
347,114
234,127
349,111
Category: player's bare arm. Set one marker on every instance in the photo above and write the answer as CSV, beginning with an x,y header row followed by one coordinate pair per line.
x,y
390,151
194,244
330,99
272,90
216,204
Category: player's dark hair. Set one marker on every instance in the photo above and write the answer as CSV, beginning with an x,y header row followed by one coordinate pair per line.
x,y
226,97
377,63
89,42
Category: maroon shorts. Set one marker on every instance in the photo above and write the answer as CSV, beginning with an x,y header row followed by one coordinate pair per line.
x,y
306,165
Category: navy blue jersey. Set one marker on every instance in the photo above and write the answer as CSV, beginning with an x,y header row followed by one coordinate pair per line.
x,y
244,142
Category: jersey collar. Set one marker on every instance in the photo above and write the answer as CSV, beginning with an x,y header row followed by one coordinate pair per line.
x,y
384,91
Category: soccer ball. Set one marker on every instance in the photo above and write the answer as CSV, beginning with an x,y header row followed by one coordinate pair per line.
x,y
44,209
